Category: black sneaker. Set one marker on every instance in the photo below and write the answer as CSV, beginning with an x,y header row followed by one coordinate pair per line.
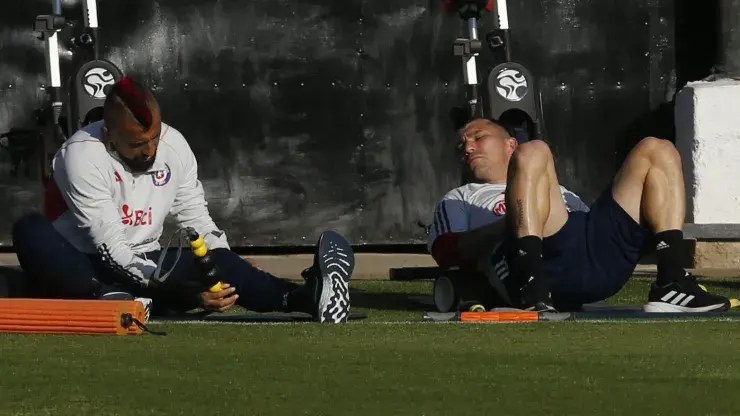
x,y
111,292
536,296
684,295
327,280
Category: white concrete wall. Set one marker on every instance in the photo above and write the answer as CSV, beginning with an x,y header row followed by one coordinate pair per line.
x,y
708,139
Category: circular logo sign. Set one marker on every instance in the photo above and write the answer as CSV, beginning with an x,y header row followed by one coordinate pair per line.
x,y
95,81
511,85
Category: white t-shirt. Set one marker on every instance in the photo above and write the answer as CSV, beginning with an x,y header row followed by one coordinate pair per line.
x,y
120,215
475,205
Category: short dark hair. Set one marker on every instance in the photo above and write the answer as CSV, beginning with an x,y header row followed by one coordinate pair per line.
x,y
499,123
461,117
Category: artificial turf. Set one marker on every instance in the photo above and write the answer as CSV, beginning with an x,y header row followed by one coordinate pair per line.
x,y
390,363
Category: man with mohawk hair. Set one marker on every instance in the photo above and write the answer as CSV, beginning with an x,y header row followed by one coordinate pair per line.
x,y
117,179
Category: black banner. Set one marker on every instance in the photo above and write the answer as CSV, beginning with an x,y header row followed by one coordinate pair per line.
x,y
308,115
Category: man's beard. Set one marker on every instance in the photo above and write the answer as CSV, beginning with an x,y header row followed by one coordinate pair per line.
x,y
137,165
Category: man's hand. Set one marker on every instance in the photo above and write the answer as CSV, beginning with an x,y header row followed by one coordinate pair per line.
x,y
219,301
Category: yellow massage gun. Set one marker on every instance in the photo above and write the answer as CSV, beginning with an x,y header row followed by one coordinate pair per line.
x,y
205,261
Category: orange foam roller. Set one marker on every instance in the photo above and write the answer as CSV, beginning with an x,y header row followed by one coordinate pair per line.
x,y
505,316
60,316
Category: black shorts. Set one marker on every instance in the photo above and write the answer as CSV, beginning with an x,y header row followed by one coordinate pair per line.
x,y
595,253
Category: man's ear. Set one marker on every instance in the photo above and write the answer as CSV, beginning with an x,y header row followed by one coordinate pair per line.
x,y
106,139
513,143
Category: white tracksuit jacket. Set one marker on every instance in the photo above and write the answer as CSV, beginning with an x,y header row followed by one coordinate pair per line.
x,y
120,215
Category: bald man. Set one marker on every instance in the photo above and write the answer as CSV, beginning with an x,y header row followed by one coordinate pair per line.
x,y
117,180
550,249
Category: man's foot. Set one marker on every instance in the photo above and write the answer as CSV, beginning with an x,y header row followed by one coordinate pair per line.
x,y
536,296
684,295
541,307
111,292
327,280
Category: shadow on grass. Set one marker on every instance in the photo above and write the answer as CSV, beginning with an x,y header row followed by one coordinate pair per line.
x,y
396,301
727,284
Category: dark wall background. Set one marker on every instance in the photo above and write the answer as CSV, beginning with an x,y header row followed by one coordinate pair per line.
x,y
315,114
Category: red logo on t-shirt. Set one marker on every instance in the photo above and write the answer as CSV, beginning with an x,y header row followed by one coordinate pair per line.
x,y
136,217
499,208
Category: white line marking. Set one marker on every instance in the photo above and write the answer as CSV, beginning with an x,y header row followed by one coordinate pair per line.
x,y
361,322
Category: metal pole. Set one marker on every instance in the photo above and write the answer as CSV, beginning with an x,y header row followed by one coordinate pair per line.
x,y
503,23
49,27
91,14
471,70
473,28
52,63
90,7
503,14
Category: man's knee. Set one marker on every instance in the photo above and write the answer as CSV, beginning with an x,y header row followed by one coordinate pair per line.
x,y
658,151
225,255
532,154
231,264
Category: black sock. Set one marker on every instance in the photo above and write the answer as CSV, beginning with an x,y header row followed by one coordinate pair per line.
x,y
669,245
528,258
298,299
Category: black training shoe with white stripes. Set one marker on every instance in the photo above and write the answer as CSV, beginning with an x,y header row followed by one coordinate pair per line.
x,y
111,292
329,276
536,296
684,295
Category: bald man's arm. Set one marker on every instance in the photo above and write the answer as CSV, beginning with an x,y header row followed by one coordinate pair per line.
x,y
452,243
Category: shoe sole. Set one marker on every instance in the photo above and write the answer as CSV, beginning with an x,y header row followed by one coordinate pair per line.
x,y
337,263
147,304
658,307
541,307
116,296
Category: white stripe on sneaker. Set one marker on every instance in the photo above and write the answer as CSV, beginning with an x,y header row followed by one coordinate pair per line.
x,y
687,300
668,296
678,298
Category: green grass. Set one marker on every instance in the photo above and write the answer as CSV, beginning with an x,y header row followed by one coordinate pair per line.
x,y
377,367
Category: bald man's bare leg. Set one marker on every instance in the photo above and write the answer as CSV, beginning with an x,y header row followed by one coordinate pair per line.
x,y
536,210
533,199
650,188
